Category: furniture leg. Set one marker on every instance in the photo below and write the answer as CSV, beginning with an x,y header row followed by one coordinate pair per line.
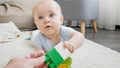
x,y
94,26
69,23
82,25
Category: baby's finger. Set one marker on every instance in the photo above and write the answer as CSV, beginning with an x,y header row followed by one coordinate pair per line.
x,y
69,46
71,49
65,44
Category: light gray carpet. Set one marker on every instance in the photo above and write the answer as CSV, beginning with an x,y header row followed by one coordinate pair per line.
x,y
90,55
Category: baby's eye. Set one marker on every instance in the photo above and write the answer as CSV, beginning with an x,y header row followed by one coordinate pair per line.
x,y
40,17
52,15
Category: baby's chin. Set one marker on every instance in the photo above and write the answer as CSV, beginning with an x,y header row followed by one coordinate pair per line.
x,y
50,32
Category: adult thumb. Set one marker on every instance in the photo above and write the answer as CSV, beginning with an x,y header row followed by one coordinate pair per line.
x,y
38,61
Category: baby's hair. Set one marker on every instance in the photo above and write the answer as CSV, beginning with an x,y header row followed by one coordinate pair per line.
x,y
42,1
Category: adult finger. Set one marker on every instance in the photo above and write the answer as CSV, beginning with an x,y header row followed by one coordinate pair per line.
x,y
37,54
38,61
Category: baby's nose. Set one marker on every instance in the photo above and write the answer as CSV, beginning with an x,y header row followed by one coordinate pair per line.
x,y
47,20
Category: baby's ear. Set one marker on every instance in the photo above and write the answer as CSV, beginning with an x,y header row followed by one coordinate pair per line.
x,y
34,21
62,19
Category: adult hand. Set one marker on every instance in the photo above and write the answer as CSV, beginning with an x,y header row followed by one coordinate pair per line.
x,y
33,60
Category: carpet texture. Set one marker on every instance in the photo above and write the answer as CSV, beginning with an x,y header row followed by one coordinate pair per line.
x,y
90,55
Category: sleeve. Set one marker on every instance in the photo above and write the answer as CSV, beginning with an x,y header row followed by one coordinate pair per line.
x,y
35,37
66,32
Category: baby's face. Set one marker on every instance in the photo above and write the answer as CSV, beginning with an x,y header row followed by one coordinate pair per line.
x,y
48,18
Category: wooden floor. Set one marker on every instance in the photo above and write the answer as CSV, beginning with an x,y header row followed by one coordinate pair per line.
x,y
106,38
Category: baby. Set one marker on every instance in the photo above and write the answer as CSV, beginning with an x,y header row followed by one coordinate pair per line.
x,y
48,18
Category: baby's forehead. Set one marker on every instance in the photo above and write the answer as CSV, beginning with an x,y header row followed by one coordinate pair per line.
x,y
47,5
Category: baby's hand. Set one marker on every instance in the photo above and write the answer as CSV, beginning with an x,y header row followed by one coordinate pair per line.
x,y
69,46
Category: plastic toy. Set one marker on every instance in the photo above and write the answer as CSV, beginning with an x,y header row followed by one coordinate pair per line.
x,y
56,56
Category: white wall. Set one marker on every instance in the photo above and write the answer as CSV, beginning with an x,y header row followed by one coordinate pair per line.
x,y
118,12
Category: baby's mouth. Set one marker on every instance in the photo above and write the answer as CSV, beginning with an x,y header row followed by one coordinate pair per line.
x,y
47,27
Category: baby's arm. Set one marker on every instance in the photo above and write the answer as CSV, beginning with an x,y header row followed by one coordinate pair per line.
x,y
76,40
